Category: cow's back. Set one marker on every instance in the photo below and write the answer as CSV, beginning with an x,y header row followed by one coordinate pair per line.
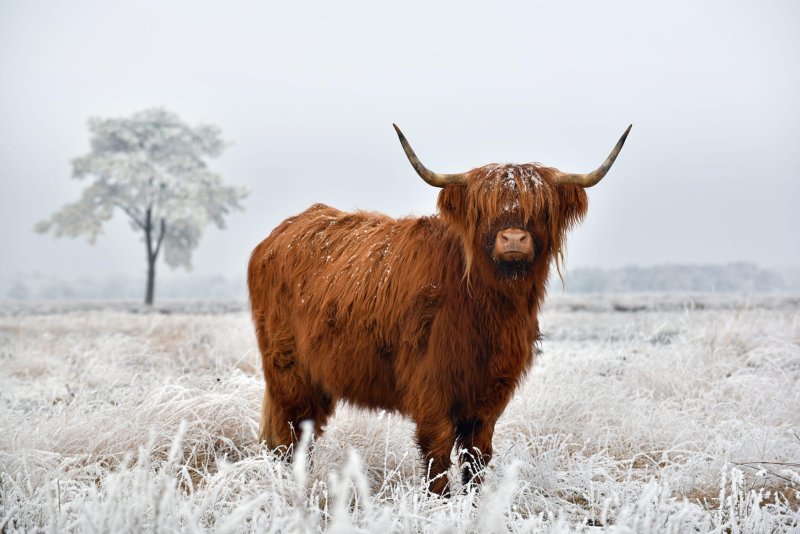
x,y
353,293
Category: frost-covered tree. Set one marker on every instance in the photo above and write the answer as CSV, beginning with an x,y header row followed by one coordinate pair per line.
x,y
152,167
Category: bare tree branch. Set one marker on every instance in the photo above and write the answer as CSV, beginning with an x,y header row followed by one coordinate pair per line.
x,y
162,231
129,213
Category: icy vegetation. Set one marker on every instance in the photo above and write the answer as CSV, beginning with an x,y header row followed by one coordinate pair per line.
x,y
151,167
644,413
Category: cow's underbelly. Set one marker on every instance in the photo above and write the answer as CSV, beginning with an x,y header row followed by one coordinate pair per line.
x,y
354,368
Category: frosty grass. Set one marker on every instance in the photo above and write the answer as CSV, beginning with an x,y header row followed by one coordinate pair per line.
x,y
642,414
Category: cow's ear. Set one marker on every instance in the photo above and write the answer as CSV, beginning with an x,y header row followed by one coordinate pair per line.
x,y
573,205
453,203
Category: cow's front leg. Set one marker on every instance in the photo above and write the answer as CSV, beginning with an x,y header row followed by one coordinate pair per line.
x,y
474,437
436,438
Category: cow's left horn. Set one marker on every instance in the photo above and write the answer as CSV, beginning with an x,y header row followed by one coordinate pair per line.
x,y
588,180
433,178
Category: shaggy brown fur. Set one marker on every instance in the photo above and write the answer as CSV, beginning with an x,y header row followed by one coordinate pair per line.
x,y
413,314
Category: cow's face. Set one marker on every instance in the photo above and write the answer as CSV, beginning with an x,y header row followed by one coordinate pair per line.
x,y
511,216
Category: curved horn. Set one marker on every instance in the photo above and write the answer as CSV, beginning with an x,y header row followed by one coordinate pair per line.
x,y
433,178
588,180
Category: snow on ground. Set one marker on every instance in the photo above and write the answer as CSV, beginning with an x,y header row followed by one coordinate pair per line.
x,y
644,413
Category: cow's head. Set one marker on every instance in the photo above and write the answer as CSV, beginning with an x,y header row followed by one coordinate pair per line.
x,y
512,217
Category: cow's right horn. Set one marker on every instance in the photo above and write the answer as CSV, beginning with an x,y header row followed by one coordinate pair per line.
x,y
433,178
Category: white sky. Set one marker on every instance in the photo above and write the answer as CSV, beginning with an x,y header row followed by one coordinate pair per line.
x,y
307,91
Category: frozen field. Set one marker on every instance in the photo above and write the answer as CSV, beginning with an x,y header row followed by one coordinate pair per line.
x,y
642,414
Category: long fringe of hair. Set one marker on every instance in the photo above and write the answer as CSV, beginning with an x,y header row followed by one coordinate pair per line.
x,y
525,193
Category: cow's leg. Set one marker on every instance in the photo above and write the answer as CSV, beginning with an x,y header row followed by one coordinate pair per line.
x,y
298,400
435,438
474,438
290,397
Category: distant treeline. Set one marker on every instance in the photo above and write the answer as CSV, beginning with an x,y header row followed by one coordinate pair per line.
x,y
733,277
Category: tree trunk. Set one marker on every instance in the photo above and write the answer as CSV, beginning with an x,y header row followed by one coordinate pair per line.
x,y
152,254
151,280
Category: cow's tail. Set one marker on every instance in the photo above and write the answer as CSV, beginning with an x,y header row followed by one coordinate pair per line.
x,y
257,289
265,428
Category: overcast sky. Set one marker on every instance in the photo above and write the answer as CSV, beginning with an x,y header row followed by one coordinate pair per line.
x,y
306,92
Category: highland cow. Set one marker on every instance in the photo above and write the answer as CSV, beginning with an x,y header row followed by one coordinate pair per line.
x,y
432,317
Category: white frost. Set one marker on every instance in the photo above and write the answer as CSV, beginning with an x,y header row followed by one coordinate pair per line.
x,y
127,422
